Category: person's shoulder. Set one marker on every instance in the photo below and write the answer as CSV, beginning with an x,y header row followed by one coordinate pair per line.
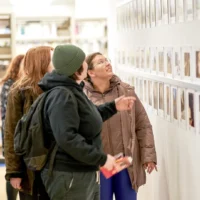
x,y
127,86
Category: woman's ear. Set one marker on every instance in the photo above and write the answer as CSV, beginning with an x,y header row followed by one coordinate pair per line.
x,y
91,73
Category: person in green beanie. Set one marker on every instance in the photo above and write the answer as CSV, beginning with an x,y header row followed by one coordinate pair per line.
x,y
74,123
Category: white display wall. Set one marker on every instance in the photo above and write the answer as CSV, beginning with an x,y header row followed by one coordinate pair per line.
x,y
155,46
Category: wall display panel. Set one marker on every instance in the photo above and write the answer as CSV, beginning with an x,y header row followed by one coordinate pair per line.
x,y
147,13
189,10
190,110
165,15
167,105
177,63
161,100
158,12
182,107
180,10
160,61
153,13
174,104
168,61
172,9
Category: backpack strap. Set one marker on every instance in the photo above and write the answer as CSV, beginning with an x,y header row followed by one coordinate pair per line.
x,y
55,148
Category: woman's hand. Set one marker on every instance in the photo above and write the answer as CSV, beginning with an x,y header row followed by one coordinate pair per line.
x,y
150,167
16,183
124,103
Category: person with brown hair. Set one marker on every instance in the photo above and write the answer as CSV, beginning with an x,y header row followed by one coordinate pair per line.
x,y
13,72
25,90
129,132
74,123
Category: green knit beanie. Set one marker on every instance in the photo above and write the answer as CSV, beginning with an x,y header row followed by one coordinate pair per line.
x,y
67,59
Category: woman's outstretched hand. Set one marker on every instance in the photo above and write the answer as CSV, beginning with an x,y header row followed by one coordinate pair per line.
x,y
124,103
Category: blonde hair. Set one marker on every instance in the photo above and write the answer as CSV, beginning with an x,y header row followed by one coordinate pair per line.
x,y
13,69
36,63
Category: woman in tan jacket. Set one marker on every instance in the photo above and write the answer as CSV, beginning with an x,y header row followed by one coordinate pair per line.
x,y
129,132
37,62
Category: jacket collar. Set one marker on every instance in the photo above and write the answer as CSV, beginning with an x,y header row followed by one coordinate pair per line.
x,y
114,81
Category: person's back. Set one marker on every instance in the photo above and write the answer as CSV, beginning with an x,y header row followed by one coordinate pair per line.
x,y
37,62
12,74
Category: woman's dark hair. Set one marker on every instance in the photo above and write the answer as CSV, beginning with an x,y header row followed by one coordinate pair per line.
x,y
89,61
79,71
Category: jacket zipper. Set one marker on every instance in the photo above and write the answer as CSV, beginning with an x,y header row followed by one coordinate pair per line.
x,y
109,129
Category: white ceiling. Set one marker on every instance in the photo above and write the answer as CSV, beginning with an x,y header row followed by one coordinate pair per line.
x,y
55,2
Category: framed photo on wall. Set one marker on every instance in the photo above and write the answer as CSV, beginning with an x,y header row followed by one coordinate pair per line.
x,y
197,9
172,10
196,52
189,10
150,95
139,8
147,13
158,12
147,59
145,93
167,102
161,99
141,82
187,63
177,63
137,58
174,104
143,13
165,8
155,97
198,112
160,61
154,60
142,58
180,10
168,61
131,15
135,13
190,110
153,12
182,107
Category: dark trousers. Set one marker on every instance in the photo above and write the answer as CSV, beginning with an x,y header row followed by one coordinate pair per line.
x,y
11,192
118,185
71,185
39,192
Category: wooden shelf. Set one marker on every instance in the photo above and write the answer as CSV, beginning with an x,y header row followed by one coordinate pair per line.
x,y
52,39
5,35
5,56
